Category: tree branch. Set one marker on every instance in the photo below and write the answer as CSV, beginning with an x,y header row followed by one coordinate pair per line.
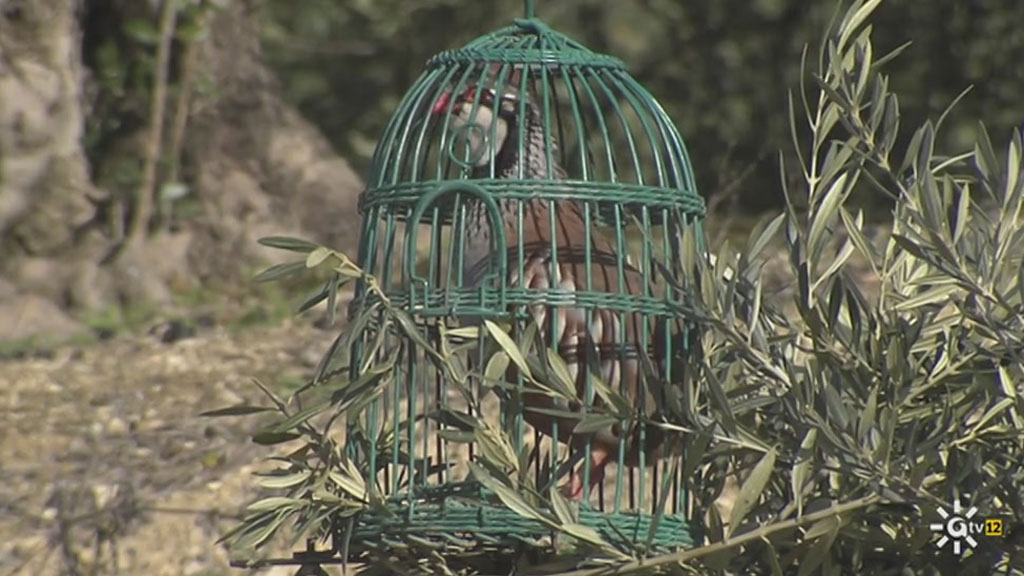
x,y
144,198
753,535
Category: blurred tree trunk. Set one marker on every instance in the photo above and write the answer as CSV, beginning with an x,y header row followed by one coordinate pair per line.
x,y
257,137
44,175
249,164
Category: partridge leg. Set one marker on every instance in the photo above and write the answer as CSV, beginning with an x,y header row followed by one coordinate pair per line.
x,y
599,461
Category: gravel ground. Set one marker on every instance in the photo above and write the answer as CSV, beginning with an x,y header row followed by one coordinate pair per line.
x,y
107,467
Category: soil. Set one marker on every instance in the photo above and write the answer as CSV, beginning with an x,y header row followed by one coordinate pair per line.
x,y
107,466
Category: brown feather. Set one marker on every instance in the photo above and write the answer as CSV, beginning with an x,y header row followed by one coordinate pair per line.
x,y
578,343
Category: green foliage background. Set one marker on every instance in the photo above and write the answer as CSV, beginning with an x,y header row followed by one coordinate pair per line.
x,y
722,69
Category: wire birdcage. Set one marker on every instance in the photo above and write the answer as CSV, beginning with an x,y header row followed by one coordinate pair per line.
x,y
610,153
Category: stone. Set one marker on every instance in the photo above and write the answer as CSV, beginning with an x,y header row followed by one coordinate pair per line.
x,y
28,317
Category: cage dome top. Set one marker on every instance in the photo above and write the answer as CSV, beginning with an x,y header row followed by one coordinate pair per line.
x,y
607,140
528,41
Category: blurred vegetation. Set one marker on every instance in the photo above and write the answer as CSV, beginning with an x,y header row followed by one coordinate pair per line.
x,y
722,69
143,65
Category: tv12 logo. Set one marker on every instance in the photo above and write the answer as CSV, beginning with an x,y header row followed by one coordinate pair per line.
x,y
962,526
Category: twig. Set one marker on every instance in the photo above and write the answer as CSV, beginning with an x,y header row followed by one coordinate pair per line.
x,y
753,535
180,119
729,194
216,513
144,198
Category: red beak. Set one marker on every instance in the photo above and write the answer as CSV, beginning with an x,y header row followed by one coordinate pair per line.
x,y
442,104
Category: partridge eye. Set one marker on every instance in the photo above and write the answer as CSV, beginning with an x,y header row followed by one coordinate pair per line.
x,y
487,96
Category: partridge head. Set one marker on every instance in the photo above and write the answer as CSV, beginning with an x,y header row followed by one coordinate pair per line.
x,y
503,126
486,112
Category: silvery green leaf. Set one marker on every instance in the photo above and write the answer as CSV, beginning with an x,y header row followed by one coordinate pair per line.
x,y
495,448
349,479
751,490
962,210
763,235
591,423
172,191
618,403
508,346
496,367
867,416
836,263
456,436
288,243
272,503
560,505
237,410
257,530
590,536
509,497
802,468
937,295
1013,188
299,418
828,530
315,298
820,528
283,481
279,271
773,558
463,332
696,447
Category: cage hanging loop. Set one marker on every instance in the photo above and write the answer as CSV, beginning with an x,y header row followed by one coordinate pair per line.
x,y
464,134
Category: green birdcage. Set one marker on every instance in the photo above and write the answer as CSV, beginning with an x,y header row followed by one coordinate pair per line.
x,y
522,214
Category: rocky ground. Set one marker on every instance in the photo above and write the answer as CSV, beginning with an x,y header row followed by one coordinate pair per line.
x,y
107,466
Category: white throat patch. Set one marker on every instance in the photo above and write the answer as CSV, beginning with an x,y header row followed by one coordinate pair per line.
x,y
488,134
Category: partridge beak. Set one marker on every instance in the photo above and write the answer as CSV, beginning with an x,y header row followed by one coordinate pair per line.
x,y
442,104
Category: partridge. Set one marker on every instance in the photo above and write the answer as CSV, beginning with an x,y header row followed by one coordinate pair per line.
x,y
612,341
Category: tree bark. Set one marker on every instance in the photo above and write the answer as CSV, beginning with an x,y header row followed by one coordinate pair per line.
x,y
252,164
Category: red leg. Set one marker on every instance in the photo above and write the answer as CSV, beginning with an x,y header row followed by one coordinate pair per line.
x,y
597,469
574,489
